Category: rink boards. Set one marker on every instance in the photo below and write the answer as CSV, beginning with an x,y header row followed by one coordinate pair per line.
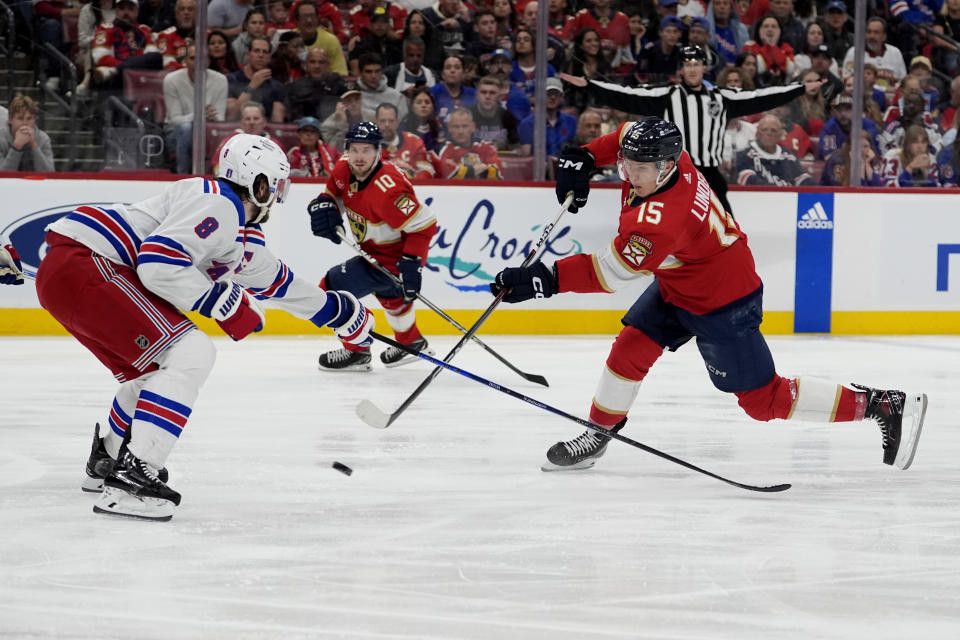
x,y
848,262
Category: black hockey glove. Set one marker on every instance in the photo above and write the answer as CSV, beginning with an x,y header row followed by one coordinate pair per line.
x,y
325,218
411,277
536,281
574,168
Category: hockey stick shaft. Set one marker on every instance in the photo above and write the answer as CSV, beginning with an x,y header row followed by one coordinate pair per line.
x,y
472,330
568,416
531,377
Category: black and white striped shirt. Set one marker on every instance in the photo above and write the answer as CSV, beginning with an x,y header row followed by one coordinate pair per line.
x,y
701,115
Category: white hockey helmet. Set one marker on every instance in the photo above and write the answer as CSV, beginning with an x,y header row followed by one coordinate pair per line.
x,y
245,157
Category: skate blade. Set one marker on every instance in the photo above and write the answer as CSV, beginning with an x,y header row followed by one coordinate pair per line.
x,y
357,368
914,410
583,464
408,359
116,502
91,484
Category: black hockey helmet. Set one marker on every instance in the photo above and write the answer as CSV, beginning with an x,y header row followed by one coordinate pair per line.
x,y
651,140
364,131
692,52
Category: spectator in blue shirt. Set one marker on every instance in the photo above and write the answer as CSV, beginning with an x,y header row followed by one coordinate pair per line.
x,y
835,132
561,127
450,93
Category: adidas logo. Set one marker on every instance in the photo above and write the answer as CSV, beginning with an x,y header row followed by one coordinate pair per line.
x,y
815,218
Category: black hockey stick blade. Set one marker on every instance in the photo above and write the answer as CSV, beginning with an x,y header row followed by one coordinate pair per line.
x,y
586,423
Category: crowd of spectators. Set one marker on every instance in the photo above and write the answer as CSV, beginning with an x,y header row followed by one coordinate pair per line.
x,y
453,85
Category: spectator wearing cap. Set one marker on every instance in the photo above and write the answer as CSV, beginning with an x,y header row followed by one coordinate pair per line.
x,y
837,129
348,112
450,22
512,97
312,157
765,162
450,93
379,40
665,8
885,57
228,15
561,127
23,146
922,69
727,34
658,62
362,12
822,63
612,25
255,82
178,97
837,29
494,123
411,73
775,63
700,111
315,94
589,62
698,35
123,45
485,40
308,25
462,157
402,148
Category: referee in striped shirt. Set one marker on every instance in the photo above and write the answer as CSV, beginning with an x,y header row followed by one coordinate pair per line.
x,y
700,112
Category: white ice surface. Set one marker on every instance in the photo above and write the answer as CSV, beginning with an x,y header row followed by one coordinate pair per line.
x,y
448,529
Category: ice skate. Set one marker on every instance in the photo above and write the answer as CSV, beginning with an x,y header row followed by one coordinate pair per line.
x,y
393,357
345,360
580,453
900,416
99,465
133,490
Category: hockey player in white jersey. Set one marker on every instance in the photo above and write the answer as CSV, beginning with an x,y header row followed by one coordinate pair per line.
x,y
119,278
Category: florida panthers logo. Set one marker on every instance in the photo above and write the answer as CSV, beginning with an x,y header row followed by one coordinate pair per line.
x,y
358,224
636,250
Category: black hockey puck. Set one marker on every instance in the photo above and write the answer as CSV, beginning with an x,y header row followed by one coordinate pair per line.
x,y
342,468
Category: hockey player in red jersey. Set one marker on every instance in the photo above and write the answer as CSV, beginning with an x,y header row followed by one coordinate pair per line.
x,y
118,278
392,225
672,226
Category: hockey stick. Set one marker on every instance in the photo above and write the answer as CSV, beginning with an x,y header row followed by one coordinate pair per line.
x,y
373,416
568,416
531,377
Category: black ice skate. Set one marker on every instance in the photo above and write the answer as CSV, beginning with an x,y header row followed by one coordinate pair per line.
x,y
100,464
345,360
393,357
134,490
580,453
900,416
